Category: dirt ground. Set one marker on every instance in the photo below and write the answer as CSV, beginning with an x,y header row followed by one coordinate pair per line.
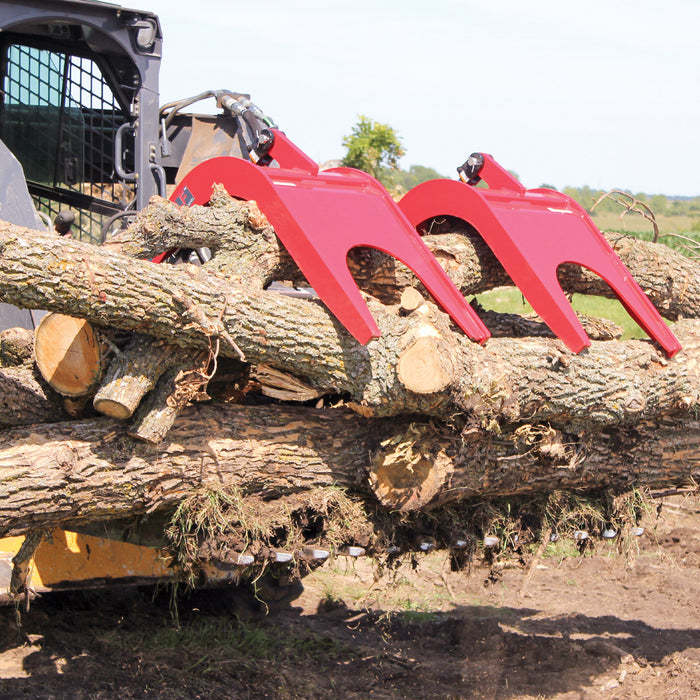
x,y
605,624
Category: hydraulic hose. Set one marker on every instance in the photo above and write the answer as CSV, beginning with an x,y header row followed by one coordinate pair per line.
x,y
237,105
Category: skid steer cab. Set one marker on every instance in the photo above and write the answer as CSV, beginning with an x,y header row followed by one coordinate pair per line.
x,y
80,112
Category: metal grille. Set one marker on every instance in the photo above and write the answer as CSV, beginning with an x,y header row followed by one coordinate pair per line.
x,y
60,118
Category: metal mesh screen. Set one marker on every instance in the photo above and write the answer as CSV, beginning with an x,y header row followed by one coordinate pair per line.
x,y
59,118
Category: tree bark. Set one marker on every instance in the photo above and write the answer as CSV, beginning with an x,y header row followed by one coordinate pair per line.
x,y
671,280
84,471
16,346
508,380
25,398
177,387
133,373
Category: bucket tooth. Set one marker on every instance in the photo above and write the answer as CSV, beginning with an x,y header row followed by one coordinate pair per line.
x,y
316,554
282,557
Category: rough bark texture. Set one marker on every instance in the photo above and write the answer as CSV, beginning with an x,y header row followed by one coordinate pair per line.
x,y
507,325
16,346
134,372
90,470
25,398
525,379
177,387
671,280
255,257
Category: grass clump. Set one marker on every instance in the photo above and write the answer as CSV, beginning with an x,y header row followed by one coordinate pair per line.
x,y
219,524
221,516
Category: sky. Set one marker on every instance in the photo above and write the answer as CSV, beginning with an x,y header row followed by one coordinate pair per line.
x,y
603,93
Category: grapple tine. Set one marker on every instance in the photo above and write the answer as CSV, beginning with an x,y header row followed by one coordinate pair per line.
x,y
319,217
532,232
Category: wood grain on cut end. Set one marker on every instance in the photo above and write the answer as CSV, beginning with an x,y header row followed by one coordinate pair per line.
x,y
409,470
67,354
421,367
411,299
113,409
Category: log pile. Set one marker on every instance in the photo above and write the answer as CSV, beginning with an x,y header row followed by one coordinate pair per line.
x,y
176,378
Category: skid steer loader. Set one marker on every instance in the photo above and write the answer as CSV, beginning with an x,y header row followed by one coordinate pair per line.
x,y
84,144
82,131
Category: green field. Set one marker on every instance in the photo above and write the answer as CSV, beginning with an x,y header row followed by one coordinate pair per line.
x,y
509,299
677,219
636,225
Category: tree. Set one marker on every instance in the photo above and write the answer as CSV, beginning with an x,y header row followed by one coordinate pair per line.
x,y
415,175
374,148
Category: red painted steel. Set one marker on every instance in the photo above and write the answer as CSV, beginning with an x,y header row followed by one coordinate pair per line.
x,y
319,217
532,232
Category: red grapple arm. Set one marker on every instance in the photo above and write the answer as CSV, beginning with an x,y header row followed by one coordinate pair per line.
x,y
532,232
319,217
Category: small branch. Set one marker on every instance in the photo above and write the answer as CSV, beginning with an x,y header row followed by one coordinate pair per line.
x,y
178,386
133,373
630,203
21,569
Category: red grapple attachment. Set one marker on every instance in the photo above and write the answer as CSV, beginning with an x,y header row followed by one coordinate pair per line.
x,y
319,217
532,232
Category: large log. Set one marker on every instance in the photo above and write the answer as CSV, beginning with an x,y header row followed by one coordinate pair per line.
x,y
84,471
25,398
671,280
508,380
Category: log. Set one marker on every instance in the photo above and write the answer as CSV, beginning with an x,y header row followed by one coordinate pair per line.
x,y
25,398
509,325
68,355
179,385
133,373
16,346
508,380
90,470
671,280
255,258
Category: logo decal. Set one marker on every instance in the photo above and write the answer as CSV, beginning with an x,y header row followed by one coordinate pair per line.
x,y
185,197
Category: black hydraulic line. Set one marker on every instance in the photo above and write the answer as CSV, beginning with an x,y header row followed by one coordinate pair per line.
x,y
175,107
61,119
237,105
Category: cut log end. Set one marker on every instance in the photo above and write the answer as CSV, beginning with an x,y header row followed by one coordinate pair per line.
x,y
411,299
114,409
422,368
68,354
404,476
